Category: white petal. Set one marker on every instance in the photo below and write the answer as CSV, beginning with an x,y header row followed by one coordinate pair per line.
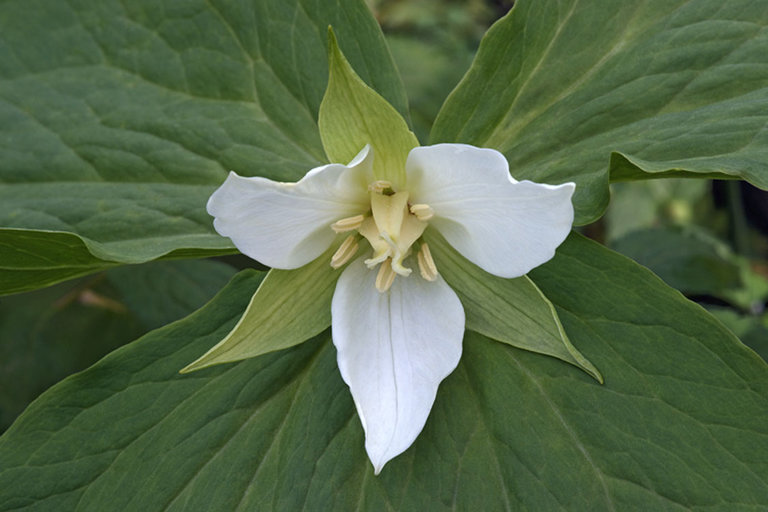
x,y
394,348
287,225
504,226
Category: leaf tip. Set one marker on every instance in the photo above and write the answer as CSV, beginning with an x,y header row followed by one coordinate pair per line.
x,y
333,44
191,367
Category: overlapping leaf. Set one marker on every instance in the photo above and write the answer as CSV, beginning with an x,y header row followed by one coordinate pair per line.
x,y
117,120
689,260
681,422
568,89
49,334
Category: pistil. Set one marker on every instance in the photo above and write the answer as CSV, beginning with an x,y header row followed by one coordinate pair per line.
x,y
391,227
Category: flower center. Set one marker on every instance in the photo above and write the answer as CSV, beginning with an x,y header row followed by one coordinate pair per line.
x,y
392,229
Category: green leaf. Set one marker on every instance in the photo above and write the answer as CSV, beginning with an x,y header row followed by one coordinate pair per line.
x,y
680,423
353,115
629,168
662,85
288,308
117,121
513,311
687,259
31,259
751,330
49,334
161,292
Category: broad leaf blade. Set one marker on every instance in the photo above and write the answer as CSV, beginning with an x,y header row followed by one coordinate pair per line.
x,y
117,121
512,311
162,292
49,334
751,330
675,85
689,260
679,425
31,259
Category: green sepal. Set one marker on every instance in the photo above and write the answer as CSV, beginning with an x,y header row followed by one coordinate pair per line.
x,y
288,308
512,311
353,115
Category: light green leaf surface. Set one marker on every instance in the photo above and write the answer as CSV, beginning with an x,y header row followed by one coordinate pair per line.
x,y
353,115
513,311
49,334
118,120
563,87
680,424
288,308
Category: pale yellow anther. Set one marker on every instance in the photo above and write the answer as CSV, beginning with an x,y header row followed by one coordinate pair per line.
x,y
379,186
427,267
348,224
422,211
385,277
345,252
392,229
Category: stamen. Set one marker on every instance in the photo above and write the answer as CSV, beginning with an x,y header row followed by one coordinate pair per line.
x,y
344,253
348,224
422,211
427,267
385,277
381,187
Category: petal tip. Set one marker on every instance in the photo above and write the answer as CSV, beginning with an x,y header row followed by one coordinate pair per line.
x,y
378,462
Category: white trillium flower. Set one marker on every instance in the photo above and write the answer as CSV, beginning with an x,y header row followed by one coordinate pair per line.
x,y
396,324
